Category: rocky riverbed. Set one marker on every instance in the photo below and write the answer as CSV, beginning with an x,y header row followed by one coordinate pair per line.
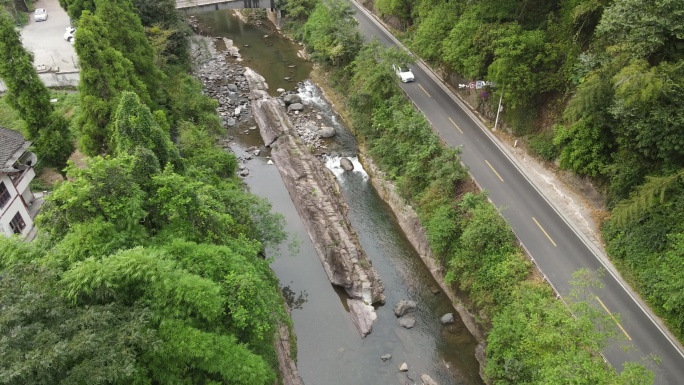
x,y
293,133
242,96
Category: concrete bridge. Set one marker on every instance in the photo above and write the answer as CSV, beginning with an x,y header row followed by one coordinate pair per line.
x,y
195,6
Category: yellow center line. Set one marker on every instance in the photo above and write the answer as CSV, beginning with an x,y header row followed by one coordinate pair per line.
x,y
544,231
497,174
455,125
426,93
611,316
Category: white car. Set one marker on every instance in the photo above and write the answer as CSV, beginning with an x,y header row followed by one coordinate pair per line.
x,y
40,14
403,72
69,34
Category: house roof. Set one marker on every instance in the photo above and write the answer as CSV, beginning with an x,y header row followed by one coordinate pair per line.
x,y
12,146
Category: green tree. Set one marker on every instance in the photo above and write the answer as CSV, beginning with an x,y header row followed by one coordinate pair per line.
x,y
644,106
190,310
188,104
585,148
534,340
134,126
468,47
105,189
399,8
125,33
44,339
27,94
331,34
167,30
434,29
299,9
655,191
99,90
646,29
524,65
668,288
75,7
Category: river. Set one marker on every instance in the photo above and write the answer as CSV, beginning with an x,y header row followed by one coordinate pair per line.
x,y
330,350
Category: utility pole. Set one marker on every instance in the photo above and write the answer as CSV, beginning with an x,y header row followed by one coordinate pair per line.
x,y
498,111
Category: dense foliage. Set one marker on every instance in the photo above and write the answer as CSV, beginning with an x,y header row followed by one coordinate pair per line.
x,y
528,326
149,266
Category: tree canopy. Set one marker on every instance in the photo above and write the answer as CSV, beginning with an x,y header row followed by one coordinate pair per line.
x,y
149,266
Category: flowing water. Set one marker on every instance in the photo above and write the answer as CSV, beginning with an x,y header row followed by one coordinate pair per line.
x,y
330,350
261,48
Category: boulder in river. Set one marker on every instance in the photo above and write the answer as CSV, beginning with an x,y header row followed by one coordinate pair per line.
x,y
386,357
404,306
295,107
232,87
326,132
447,319
407,322
403,367
346,164
427,380
291,99
362,316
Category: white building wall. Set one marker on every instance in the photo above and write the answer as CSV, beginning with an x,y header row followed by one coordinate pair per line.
x,y
14,206
23,183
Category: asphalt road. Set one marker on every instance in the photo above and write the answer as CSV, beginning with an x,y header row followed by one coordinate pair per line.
x,y
558,250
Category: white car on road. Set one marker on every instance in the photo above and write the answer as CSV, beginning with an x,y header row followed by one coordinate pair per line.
x,y
69,34
403,72
40,14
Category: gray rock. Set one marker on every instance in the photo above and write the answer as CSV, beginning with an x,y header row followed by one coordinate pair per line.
x,y
404,306
427,380
232,87
362,315
403,367
280,90
238,111
244,172
291,98
326,132
295,107
257,152
407,322
307,175
346,164
386,357
230,122
447,319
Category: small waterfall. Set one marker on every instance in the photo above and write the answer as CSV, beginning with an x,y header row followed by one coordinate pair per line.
x,y
311,95
344,142
333,164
